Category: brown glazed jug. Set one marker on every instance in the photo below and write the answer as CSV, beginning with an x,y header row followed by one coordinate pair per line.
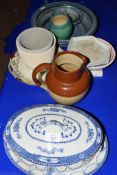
x,y
67,80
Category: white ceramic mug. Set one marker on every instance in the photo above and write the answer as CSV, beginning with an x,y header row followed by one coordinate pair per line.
x,y
35,46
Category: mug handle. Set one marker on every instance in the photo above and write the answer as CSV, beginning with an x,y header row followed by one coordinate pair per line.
x,y
39,70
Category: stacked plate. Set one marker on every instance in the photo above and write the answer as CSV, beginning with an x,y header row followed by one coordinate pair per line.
x,y
55,139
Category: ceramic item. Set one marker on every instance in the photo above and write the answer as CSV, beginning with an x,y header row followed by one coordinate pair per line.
x,y
82,168
37,139
35,39
19,70
72,12
68,74
61,26
35,46
86,25
111,59
97,71
97,51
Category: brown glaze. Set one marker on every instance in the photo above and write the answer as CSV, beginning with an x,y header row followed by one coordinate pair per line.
x,y
65,83
40,68
83,57
67,89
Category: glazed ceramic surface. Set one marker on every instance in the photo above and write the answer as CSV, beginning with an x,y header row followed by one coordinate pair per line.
x,y
100,52
111,59
85,20
89,167
35,39
19,70
73,12
37,140
68,71
34,52
61,25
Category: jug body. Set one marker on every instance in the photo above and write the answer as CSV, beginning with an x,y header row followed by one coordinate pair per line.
x,y
67,78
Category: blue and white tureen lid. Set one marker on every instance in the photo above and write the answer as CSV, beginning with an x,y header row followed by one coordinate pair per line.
x,y
53,134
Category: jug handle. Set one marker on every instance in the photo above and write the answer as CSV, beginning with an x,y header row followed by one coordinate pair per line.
x,y
39,70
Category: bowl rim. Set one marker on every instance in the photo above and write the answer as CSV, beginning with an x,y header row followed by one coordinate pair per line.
x,y
111,59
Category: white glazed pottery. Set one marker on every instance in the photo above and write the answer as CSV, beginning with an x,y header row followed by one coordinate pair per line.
x,y
111,59
19,70
38,140
88,167
23,71
36,46
103,59
34,39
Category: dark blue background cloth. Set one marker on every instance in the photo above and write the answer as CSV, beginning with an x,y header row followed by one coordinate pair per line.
x,y
101,100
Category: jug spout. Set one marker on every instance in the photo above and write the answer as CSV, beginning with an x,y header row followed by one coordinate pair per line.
x,y
84,58
69,66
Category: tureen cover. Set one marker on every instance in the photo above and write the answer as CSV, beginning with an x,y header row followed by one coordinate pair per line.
x,y
53,134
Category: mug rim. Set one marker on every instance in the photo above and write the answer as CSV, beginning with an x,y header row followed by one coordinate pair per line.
x,y
34,56
48,46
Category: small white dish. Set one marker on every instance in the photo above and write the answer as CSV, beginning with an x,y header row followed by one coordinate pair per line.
x,y
39,137
107,50
111,60
19,70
